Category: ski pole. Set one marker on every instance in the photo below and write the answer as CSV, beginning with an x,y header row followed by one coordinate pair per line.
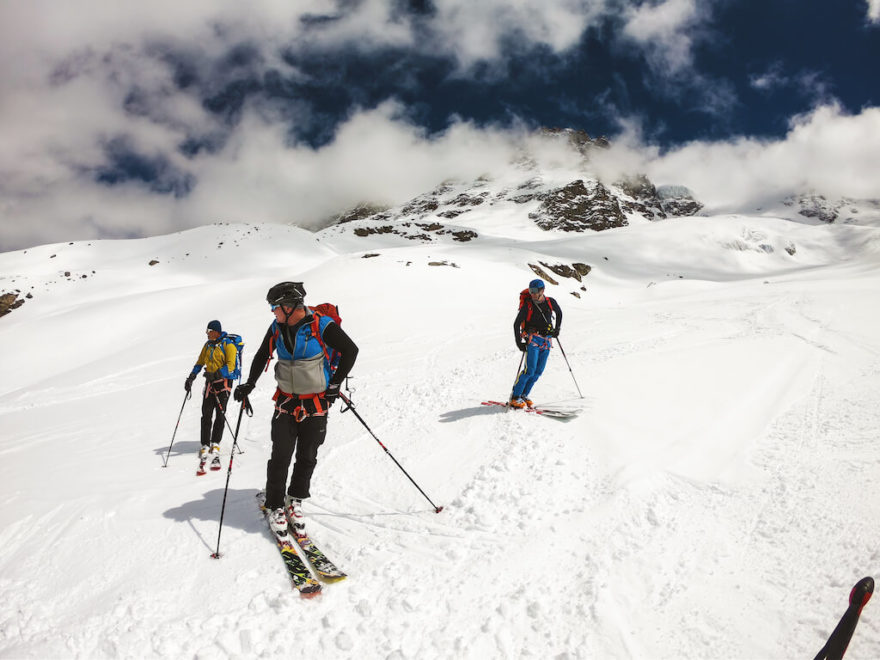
x,y
518,370
836,645
244,404
185,399
569,367
437,509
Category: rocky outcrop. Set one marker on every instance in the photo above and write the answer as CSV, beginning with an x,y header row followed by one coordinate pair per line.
x,y
359,212
817,207
578,139
579,207
678,201
10,301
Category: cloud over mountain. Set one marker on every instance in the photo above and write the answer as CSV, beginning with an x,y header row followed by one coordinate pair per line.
x,y
134,120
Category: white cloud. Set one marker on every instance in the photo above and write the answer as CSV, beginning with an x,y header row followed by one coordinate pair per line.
x,y
826,150
809,84
74,76
666,30
474,31
874,11
772,78
667,33
376,156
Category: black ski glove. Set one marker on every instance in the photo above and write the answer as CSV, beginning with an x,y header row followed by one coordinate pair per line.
x,y
189,382
242,391
553,333
331,394
522,346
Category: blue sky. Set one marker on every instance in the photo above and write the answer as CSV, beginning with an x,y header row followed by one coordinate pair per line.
x,y
122,120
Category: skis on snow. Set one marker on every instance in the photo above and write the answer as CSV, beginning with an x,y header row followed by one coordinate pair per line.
x,y
325,568
300,571
547,411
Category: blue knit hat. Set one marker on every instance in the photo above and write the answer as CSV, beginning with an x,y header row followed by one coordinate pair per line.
x,y
215,325
536,284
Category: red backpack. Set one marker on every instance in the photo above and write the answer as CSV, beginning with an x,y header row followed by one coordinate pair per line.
x,y
326,309
526,299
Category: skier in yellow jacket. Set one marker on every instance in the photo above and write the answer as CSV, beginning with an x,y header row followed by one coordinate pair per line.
x,y
218,357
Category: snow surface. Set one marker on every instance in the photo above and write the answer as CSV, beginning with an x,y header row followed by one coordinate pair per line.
x,y
717,497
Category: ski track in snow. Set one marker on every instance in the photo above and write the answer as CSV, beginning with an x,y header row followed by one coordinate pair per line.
x,y
714,499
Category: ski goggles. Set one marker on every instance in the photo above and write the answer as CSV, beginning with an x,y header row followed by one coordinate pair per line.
x,y
535,290
274,307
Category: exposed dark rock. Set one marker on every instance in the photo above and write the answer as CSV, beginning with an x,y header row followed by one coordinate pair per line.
x,y
469,200
577,138
10,301
366,231
816,206
639,187
421,207
153,262
582,269
429,230
359,212
537,270
681,207
575,271
678,201
576,207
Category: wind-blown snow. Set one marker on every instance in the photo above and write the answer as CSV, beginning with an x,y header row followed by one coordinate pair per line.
x,y
717,497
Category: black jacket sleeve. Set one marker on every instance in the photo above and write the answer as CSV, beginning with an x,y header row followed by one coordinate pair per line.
x,y
518,321
261,358
558,310
335,337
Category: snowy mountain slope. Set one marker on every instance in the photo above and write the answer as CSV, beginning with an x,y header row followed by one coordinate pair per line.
x,y
715,498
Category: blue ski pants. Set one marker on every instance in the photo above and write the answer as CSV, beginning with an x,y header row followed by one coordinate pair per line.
x,y
537,352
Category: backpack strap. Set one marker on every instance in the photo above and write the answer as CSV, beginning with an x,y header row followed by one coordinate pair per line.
x,y
272,341
316,333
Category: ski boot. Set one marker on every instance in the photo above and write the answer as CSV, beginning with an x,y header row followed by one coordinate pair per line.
x,y
295,516
203,458
277,522
215,453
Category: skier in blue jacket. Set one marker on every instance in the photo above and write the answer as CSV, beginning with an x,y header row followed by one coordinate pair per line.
x,y
537,322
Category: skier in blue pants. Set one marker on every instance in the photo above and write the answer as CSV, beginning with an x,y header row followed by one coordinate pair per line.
x,y
537,322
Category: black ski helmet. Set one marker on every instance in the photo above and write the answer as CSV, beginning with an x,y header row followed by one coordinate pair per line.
x,y
289,294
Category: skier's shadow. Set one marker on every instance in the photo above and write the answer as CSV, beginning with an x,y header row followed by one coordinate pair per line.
x,y
179,449
464,413
241,512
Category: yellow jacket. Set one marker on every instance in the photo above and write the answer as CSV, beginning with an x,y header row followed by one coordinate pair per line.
x,y
217,357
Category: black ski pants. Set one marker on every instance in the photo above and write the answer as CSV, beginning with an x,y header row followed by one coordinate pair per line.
x,y
288,435
212,431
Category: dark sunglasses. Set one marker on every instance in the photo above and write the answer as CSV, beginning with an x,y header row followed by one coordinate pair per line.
x,y
532,290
